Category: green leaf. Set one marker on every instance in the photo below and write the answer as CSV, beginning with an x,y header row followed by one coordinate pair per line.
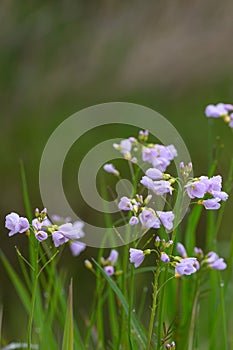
x,y
138,330
18,284
68,336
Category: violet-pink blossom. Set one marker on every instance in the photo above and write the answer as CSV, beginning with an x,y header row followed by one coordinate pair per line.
x,y
187,266
16,224
125,204
136,256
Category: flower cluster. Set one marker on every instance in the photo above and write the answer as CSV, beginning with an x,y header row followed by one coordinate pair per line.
x,y
60,229
148,217
189,265
183,264
221,110
109,264
158,182
209,190
137,255
159,156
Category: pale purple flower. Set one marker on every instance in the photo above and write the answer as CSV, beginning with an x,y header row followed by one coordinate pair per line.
x,y
67,232
148,154
38,225
181,250
60,219
196,189
125,204
133,221
136,256
187,266
41,236
78,227
154,174
77,247
23,225
167,218
58,238
228,107
16,224
147,182
214,262
219,264
164,257
212,184
212,204
220,194
109,270
160,163
113,256
161,187
148,219
216,111
198,251
124,147
159,156
109,168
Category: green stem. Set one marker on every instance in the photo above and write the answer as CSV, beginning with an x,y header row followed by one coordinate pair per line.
x,y
153,310
131,297
193,318
33,298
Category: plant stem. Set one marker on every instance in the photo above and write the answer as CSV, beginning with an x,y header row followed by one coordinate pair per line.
x,y
153,310
193,318
33,298
131,295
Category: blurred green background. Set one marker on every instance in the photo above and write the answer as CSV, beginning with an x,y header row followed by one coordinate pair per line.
x,y
58,57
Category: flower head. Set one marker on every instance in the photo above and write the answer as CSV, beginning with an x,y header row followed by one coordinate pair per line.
x,y
167,218
77,247
133,221
41,236
214,262
181,250
125,204
148,219
136,256
16,224
212,203
113,256
164,257
109,270
187,266
109,168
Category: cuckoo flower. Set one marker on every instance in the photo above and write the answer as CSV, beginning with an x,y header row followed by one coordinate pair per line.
x,y
187,266
109,168
16,224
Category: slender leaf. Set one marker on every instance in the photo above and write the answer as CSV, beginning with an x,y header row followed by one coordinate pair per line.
x,y
68,336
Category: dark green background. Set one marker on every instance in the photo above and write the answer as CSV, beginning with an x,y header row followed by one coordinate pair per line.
x,y
58,57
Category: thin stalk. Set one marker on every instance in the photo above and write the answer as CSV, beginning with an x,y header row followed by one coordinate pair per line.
x,y
131,297
193,318
153,310
33,298
223,312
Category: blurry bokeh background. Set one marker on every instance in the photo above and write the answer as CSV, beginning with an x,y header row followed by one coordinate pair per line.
x,y
58,57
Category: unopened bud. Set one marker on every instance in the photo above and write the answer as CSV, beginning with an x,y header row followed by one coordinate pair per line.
x,y
88,264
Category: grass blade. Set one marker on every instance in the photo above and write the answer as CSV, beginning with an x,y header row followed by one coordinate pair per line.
x,y
68,337
138,331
